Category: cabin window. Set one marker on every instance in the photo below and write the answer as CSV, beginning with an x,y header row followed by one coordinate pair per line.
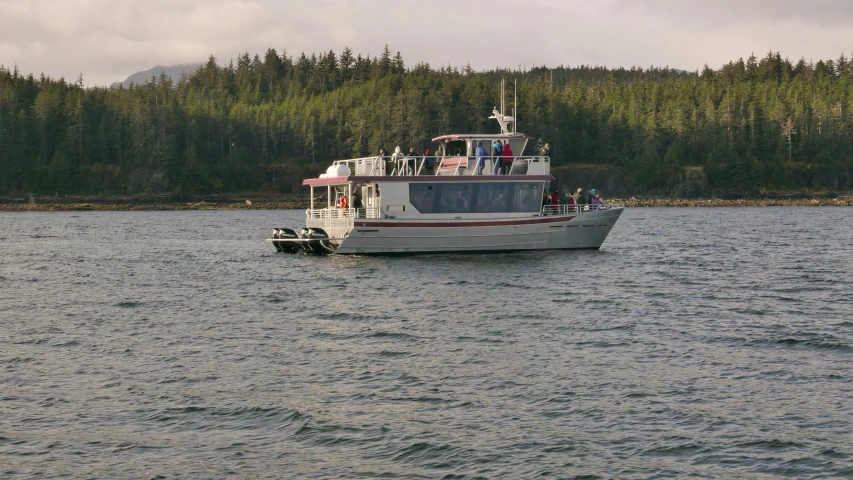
x,y
492,198
527,198
479,197
456,198
422,197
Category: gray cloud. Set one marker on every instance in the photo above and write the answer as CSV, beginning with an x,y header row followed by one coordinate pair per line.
x,y
822,13
107,40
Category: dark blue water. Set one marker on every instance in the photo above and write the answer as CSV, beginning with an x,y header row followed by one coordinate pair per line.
x,y
712,343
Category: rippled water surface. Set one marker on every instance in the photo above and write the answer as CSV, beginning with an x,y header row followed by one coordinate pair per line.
x,y
713,343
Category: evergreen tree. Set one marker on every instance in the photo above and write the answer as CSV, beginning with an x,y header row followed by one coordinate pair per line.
x,y
749,124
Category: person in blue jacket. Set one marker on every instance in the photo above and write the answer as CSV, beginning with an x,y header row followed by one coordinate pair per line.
x,y
481,157
498,148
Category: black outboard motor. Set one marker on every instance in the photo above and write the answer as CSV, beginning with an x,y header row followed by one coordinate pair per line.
x,y
274,243
285,246
319,244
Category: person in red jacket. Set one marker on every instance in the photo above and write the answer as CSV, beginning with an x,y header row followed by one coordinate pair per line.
x,y
570,201
555,197
506,158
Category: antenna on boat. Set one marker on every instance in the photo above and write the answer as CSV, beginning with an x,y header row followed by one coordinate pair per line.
x,y
503,94
514,105
504,120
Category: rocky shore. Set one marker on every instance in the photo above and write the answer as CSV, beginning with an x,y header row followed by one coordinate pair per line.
x,y
741,202
300,201
153,202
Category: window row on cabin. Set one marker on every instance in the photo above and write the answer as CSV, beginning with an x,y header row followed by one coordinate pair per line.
x,y
480,197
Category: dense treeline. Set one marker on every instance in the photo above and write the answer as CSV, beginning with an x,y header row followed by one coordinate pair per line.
x,y
752,124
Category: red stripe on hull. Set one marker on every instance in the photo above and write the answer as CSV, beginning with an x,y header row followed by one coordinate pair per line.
x,y
484,223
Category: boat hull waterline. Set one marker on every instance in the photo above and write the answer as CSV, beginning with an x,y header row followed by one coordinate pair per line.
x,y
581,231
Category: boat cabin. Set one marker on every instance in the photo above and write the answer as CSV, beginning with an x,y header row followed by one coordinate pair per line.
x,y
454,183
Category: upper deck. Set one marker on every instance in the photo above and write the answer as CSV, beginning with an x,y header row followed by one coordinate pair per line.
x,y
404,168
475,155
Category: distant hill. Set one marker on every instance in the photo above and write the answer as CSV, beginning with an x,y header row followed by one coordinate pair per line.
x,y
173,71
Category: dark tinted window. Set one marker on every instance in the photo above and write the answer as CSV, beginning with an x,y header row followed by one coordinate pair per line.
x,y
480,197
456,198
422,197
492,197
527,197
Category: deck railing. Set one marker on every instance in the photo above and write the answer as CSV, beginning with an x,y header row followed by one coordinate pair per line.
x,y
454,165
569,209
324,213
374,212
337,221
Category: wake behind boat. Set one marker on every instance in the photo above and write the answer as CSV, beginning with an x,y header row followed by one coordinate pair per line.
x,y
476,200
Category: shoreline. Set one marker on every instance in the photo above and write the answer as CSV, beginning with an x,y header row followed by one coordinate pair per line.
x,y
742,202
301,202
84,207
121,207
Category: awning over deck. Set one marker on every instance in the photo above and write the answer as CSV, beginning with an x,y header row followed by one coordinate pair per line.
x,y
483,136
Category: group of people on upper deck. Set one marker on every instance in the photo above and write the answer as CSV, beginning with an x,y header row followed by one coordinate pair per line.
x,y
501,153
409,165
579,198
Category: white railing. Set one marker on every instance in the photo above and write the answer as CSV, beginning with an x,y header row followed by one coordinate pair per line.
x,y
569,209
454,165
337,221
370,166
326,213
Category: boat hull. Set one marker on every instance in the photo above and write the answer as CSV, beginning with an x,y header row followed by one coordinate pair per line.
x,y
586,230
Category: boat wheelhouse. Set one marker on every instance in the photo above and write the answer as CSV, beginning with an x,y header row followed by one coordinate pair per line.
x,y
454,201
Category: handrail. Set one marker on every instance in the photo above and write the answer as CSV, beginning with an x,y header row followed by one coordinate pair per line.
x,y
567,209
417,165
325,213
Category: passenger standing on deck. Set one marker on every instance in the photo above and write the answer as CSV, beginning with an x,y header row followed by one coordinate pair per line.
x,y
555,197
580,198
481,158
595,199
411,162
506,158
496,154
429,162
395,159
570,201
383,159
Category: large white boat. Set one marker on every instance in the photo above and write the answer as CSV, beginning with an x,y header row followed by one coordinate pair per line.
x,y
445,203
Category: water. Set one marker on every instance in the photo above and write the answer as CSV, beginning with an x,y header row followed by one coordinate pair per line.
x,y
713,343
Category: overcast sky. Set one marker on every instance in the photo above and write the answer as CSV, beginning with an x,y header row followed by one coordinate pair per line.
x,y
107,40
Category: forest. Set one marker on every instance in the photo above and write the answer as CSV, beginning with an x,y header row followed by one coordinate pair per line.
x,y
257,124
